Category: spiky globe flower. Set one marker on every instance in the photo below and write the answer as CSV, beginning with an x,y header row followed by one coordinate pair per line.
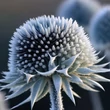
x,y
100,29
79,10
46,55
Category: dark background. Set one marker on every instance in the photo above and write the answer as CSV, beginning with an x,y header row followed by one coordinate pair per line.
x,y
14,13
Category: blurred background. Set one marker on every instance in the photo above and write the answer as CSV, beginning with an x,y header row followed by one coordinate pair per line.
x,y
14,13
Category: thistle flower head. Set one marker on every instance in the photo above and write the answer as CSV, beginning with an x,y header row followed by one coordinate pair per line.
x,y
45,40
80,10
100,29
51,48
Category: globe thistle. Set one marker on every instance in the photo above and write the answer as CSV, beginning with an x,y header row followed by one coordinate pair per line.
x,y
79,10
46,55
100,30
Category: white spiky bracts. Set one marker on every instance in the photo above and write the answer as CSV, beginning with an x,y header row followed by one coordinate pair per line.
x,y
46,55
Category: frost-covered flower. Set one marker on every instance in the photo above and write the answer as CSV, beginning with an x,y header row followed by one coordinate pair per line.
x,y
100,29
46,55
79,10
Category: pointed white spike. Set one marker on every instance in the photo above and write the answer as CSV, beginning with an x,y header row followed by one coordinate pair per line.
x,y
99,66
23,102
51,27
64,72
28,34
42,86
70,21
59,30
88,71
97,53
86,87
44,92
21,90
100,59
52,59
75,79
7,80
11,84
69,62
67,89
6,73
53,48
36,90
75,24
34,30
84,71
55,28
75,94
42,29
57,82
96,84
51,62
92,83
46,33
28,76
63,24
35,33
101,70
18,35
98,78
48,73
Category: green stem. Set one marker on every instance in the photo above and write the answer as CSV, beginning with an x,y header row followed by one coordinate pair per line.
x,y
55,97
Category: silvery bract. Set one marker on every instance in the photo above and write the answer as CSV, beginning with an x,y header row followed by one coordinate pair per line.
x,y
100,29
46,55
79,10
